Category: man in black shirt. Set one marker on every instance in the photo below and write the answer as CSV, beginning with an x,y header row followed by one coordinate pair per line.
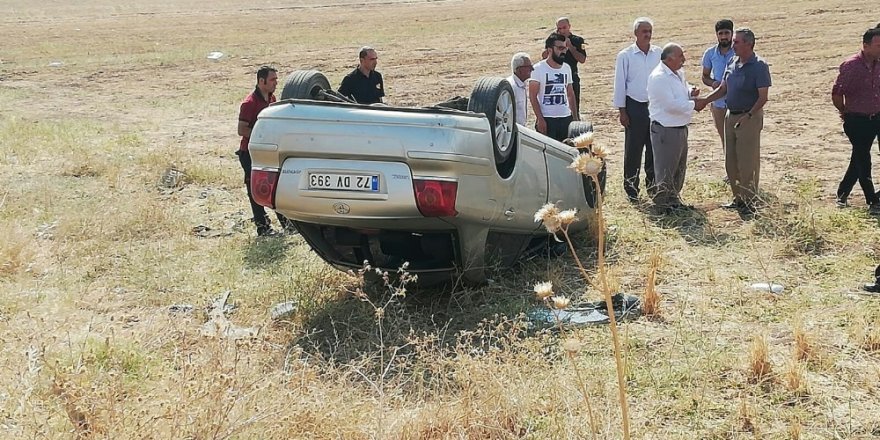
x,y
575,54
364,84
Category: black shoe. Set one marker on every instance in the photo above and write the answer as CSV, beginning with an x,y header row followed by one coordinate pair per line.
x,y
874,208
266,231
871,287
841,202
736,204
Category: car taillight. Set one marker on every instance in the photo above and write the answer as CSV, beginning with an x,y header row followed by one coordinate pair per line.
x,y
263,183
436,198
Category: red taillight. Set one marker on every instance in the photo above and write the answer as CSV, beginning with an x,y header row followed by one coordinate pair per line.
x,y
436,198
263,183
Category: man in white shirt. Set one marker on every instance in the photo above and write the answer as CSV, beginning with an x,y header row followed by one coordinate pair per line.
x,y
551,91
634,64
671,105
522,69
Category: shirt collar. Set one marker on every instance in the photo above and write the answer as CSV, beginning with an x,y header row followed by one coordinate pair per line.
x,y
259,95
519,83
635,49
669,71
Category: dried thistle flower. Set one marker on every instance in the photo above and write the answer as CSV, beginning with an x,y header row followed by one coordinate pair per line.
x,y
567,217
583,140
586,164
572,345
560,302
380,312
549,214
599,151
544,290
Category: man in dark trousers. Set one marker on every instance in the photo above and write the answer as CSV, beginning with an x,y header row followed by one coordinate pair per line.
x,y
856,95
576,53
634,64
253,104
364,84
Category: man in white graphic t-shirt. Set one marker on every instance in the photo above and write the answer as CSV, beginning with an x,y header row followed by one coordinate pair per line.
x,y
551,91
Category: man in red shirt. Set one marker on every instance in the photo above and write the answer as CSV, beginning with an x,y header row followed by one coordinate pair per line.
x,y
253,104
856,95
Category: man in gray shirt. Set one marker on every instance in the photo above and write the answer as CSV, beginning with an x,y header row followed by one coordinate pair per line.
x,y
746,85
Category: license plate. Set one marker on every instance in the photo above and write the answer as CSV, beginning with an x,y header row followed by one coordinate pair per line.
x,y
344,182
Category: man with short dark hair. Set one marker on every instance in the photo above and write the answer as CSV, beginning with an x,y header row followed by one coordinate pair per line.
x,y
364,84
551,92
856,95
576,53
253,104
746,86
634,64
521,66
715,61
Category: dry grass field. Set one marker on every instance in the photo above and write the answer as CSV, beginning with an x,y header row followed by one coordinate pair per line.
x,y
98,98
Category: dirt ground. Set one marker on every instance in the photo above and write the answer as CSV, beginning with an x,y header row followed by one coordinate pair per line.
x,y
99,97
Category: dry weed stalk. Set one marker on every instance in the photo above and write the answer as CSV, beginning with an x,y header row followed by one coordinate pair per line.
x,y
759,359
544,292
747,417
803,345
794,430
795,379
651,299
591,164
396,292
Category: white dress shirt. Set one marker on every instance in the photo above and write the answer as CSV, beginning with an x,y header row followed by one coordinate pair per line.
x,y
669,100
631,74
522,99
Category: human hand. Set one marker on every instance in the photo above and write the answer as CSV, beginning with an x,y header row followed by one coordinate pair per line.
x,y
624,118
695,91
541,125
740,121
700,104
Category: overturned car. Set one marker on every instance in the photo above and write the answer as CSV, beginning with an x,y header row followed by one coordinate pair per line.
x,y
452,192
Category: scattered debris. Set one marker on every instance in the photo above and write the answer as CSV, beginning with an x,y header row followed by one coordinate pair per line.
x,y
181,308
205,231
56,64
283,310
768,287
219,326
214,56
626,307
46,231
171,178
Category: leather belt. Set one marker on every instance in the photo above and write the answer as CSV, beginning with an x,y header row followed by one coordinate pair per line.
x,y
661,125
738,112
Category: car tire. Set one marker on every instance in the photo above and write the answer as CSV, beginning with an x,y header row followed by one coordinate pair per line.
x,y
305,84
577,128
494,97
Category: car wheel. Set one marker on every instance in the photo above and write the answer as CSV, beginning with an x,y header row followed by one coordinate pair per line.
x,y
305,84
494,97
577,128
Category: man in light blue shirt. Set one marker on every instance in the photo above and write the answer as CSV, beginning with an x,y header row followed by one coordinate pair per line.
x,y
715,61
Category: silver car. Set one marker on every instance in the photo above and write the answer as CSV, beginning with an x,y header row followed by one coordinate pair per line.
x,y
451,192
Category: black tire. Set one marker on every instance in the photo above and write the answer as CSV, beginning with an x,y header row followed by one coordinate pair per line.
x,y
305,84
577,128
494,97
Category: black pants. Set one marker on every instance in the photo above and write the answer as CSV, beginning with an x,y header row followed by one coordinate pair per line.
x,y
557,128
861,131
638,140
576,85
260,218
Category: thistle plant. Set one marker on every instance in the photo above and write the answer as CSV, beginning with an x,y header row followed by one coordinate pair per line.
x,y
590,163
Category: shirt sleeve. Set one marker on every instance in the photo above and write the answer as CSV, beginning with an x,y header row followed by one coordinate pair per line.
x,y
578,44
381,92
707,58
247,114
345,87
763,79
840,83
619,98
